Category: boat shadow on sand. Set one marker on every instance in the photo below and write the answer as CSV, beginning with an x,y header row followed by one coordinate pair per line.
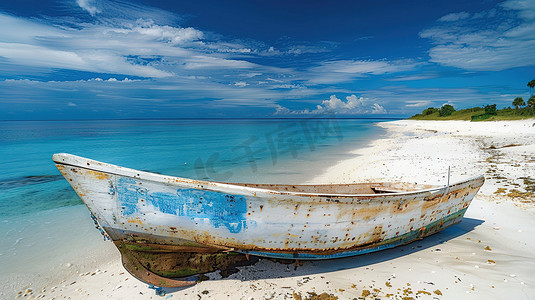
x,y
266,268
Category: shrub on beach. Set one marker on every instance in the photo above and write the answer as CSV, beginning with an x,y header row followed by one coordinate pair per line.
x,y
491,110
429,111
446,110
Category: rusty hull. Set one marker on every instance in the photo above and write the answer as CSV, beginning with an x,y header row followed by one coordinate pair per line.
x,y
176,227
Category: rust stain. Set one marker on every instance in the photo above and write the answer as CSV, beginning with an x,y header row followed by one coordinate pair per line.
x,y
97,175
136,221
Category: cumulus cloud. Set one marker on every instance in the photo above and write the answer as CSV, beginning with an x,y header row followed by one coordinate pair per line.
x,y
378,109
352,106
334,104
493,40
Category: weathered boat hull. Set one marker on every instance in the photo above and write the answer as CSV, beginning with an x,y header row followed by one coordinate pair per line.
x,y
176,227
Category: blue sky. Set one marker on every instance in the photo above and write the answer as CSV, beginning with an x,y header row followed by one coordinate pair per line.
x,y
90,59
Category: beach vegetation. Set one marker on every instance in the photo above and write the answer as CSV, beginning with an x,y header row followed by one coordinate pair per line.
x,y
314,296
500,191
529,184
491,109
429,111
518,102
446,110
522,110
489,112
531,103
531,85
514,193
463,114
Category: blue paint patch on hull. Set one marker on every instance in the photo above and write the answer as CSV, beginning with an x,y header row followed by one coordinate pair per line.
x,y
223,210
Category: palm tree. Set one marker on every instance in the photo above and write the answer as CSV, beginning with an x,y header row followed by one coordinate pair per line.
x,y
531,103
531,85
518,102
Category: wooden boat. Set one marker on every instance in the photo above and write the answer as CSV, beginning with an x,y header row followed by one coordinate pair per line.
x,y
168,228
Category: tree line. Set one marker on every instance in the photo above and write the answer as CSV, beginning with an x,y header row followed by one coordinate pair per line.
x,y
521,109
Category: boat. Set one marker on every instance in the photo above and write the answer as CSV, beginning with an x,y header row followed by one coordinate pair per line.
x,y
170,229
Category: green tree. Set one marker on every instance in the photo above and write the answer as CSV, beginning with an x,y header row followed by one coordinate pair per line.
x,y
446,110
490,109
429,111
518,102
531,85
531,103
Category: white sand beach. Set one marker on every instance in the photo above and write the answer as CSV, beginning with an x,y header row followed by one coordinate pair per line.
x,y
489,255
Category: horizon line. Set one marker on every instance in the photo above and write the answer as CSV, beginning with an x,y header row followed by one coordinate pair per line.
x,y
212,118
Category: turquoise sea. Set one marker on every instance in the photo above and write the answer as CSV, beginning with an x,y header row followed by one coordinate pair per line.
x,y
42,221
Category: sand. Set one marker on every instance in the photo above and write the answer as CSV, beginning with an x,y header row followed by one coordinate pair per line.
x,y
489,255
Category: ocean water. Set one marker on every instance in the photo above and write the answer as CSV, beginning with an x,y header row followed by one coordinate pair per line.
x,y
39,210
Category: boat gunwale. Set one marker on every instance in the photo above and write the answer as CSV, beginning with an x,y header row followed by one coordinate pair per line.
x,y
94,165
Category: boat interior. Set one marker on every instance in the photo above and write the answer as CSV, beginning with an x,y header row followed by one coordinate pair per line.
x,y
345,189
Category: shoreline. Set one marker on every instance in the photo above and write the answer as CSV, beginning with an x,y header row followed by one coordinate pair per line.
x,y
422,151
455,262
62,254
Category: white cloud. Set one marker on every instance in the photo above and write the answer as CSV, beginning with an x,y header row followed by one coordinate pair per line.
x,y
525,8
339,106
240,84
413,77
303,49
296,49
454,17
352,106
137,48
120,11
378,109
283,111
204,62
418,103
71,104
227,47
95,61
347,70
287,86
492,40
89,6
169,34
